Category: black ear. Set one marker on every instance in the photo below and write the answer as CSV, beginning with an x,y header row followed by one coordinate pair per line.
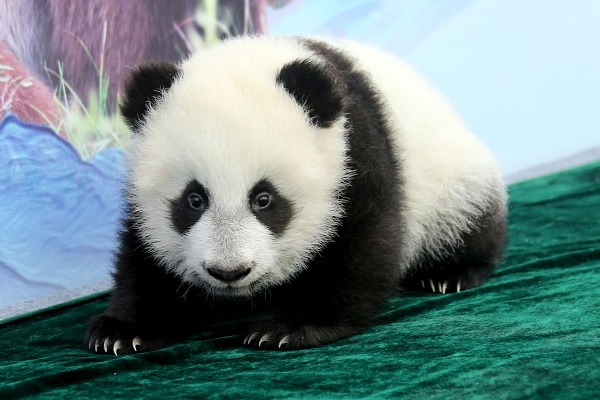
x,y
314,89
143,90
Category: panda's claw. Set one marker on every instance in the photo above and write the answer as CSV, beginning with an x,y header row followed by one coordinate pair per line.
x,y
432,285
444,286
284,341
264,338
250,338
106,341
117,346
136,342
458,287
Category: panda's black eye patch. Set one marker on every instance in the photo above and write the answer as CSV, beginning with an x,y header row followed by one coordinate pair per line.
x,y
187,209
270,208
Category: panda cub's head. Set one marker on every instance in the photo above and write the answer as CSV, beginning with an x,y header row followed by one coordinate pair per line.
x,y
238,163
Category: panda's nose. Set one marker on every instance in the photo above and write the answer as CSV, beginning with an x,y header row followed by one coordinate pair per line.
x,y
228,275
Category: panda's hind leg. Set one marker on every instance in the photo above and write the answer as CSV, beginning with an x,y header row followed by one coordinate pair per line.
x,y
467,265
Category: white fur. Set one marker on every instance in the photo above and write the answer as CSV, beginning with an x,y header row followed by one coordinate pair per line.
x,y
227,123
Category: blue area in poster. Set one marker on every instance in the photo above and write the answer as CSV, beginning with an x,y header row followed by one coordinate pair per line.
x,y
58,214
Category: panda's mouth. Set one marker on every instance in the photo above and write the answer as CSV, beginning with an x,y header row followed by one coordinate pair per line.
x,y
236,289
246,287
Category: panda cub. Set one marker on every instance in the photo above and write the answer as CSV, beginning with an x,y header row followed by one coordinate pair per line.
x,y
307,179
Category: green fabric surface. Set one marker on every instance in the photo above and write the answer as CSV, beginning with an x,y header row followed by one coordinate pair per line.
x,y
532,331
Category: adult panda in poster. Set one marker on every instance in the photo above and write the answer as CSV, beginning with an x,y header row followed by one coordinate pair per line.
x,y
318,176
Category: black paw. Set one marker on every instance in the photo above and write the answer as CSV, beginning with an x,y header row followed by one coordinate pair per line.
x,y
447,279
278,334
107,335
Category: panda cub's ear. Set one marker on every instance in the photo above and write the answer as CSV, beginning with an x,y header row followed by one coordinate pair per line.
x,y
314,89
144,89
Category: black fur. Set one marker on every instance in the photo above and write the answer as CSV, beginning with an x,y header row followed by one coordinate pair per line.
x,y
313,89
144,89
279,213
183,215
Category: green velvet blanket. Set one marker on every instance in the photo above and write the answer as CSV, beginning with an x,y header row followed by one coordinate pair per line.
x,y
532,331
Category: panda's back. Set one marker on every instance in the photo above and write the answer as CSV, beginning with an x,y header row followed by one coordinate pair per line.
x,y
449,177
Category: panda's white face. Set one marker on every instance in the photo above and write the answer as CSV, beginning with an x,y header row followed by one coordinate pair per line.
x,y
235,189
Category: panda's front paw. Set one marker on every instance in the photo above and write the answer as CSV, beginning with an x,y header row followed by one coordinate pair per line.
x,y
107,335
277,333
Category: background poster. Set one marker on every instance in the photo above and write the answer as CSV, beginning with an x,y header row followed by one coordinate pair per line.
x,y
525,76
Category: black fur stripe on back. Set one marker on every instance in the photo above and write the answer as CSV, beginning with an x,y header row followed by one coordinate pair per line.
x,y
362,265
377,180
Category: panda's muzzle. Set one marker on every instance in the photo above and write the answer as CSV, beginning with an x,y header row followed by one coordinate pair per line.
x,y
229,275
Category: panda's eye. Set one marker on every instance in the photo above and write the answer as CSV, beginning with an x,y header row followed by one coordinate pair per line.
x,y
196,201
262,201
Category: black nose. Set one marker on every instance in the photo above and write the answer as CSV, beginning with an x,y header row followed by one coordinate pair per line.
x,y
228,275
